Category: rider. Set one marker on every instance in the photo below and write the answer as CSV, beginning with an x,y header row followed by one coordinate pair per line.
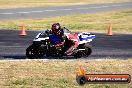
x,y
58,37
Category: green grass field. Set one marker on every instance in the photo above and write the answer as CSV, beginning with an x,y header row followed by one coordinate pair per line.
x,y
37,3
121,22
59,73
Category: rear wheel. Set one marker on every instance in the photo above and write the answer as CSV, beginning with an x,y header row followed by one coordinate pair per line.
x,y
84,53
88,50
34,52
78,55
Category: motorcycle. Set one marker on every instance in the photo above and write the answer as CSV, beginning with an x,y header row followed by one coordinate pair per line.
x,y
42,45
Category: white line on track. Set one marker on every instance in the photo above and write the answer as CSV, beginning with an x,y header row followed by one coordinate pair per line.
x,y
53,10
24,60
24,12
10,46
7,13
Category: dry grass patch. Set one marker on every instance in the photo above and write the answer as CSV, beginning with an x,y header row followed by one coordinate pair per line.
x,y
99,22
37,3
59,73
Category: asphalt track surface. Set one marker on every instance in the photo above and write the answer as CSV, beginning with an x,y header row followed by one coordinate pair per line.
x,y
12,46
44,12
118,46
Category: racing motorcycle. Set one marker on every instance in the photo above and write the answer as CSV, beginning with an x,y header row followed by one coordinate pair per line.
x,y
42,45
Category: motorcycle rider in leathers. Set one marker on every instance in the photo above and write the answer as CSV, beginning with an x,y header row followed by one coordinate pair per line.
x,y
58,38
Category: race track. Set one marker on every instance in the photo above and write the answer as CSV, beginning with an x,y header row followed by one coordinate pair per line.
x,y
44,12
12,46
118,46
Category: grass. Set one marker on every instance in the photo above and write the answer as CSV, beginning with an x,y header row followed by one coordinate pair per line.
x,y
59,73
37,3
121,22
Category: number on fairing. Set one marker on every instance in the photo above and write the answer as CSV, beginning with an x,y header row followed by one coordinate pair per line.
x,y
84,36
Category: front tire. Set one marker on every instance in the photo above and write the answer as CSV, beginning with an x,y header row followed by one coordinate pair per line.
x,y
34,52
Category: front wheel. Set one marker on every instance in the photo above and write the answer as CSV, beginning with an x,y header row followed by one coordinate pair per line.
x,y
34,52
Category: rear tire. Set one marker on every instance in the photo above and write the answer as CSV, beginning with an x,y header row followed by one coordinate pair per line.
x,y
86,53
88,50
78,55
